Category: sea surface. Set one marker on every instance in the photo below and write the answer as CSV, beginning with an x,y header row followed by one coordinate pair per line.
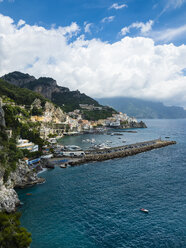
x,y
96,205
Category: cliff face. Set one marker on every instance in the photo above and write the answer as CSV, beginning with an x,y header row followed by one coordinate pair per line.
x,y
2,115
21,178
54,113
140,124
48,88
18,78
51,113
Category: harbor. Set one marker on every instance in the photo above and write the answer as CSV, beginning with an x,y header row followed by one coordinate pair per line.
x,y
121,151
106,196
78,157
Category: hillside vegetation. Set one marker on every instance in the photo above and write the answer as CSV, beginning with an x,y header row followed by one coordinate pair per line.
x,y
61,96
19,95
12,235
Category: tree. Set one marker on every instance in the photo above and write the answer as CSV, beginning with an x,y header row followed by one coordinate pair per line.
x,y
12,235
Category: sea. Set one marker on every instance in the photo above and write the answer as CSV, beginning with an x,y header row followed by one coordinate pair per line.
x,y
97,205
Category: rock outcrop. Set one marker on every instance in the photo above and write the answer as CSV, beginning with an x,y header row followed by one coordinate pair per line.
x,y
21,178
2,116
49,88
140,124
53,114
17,78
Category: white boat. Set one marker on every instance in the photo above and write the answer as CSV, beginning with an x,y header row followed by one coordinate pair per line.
x,y
47,156
52,141
144,210
103,146
72,148
93,141
63,166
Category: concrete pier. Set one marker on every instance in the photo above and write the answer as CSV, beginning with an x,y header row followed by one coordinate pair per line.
x,y
121,151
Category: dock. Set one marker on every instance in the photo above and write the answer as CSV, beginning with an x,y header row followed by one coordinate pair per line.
x,y
121,151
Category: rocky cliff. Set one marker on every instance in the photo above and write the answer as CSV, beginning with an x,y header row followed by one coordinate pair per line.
x,y
48,87
140,124
18,79
2,119
22,177
51,113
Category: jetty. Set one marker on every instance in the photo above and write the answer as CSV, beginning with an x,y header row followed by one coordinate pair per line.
x,y
121,151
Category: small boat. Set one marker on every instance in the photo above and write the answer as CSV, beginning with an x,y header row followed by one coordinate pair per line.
x,y
28,193
144,210
167,137
63,166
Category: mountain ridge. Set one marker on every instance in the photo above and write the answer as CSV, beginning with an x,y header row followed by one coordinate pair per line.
x,y
143,109
62,96
48,87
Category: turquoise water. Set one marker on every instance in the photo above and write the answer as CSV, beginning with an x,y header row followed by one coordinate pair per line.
x,y
97,205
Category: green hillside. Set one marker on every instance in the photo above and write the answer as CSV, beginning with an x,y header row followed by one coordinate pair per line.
x,y
19,95
62,96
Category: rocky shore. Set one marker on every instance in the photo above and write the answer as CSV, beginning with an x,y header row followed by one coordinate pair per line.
x,y
21,178
24,177
140,124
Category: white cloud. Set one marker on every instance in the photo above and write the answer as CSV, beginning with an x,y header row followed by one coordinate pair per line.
x,y
125,30
117,6
171,5
71,30
108,19
174,4
21,23
169,34
1,1
87,27
144,27
133,67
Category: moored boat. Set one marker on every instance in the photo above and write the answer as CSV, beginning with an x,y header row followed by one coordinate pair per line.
x,y
63,166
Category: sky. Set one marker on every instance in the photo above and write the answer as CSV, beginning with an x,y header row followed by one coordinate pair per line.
x,y
104,48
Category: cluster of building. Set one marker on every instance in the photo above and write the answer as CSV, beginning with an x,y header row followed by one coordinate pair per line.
x,y
73,122
26,144
92,107
54,122
76,123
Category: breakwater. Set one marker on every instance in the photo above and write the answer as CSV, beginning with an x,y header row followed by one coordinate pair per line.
x,y
121,151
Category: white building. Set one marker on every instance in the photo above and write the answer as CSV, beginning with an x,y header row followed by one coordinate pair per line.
x,y
25,144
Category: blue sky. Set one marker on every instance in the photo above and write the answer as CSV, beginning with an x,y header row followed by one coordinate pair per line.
x,y
104,48
166,14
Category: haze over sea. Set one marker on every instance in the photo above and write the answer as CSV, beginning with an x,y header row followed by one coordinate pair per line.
x,y
97,205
